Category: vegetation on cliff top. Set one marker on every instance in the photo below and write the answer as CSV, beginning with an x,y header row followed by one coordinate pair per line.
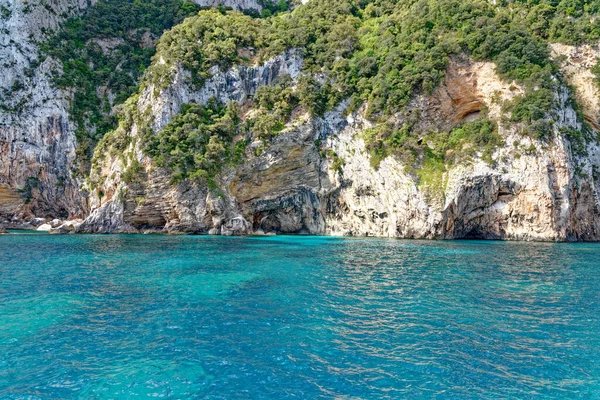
x,y
196,143
382,53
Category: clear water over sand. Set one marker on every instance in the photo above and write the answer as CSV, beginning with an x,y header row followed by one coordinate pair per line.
x,y
305,317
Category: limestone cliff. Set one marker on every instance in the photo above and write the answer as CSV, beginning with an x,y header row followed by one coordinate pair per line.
x,y
37,146
533,190
317,174
37,140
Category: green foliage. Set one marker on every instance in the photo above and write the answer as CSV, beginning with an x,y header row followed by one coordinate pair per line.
x,y
5,12
92,72
274,107
132,172
271,8
209,39
566,21
478,137
532,109
433,152
337,163
381,52
577,139
431,175
197,142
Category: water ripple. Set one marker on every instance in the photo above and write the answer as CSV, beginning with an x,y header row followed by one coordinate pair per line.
x,y
308,317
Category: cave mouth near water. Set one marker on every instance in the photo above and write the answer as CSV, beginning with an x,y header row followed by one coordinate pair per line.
x,y
475,234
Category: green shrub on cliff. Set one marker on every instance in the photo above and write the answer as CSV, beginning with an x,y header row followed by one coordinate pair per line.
x,y
197,142
211,38
103,54
274,105
532,109
474,138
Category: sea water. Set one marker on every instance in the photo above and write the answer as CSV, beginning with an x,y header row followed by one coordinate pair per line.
x,y
126,316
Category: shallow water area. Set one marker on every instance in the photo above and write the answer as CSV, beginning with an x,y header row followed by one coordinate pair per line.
x,y
119,316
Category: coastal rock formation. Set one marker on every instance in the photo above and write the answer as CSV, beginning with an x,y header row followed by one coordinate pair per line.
x,y
37,145
317,175
37,140
530,193
156,204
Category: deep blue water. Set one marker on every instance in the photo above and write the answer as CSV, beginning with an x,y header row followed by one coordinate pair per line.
x,y
303,317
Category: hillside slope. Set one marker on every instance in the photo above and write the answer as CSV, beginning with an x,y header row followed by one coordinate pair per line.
x,y
49,106
427,119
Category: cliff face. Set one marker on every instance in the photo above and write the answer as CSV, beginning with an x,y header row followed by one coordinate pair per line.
x,y
37,145
153,203
316,175
37,140
534,191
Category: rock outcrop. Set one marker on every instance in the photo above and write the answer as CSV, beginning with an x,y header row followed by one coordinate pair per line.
x,y
37,144
530,193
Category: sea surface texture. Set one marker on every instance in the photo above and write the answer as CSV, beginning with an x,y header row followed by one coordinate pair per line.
x,y
296,317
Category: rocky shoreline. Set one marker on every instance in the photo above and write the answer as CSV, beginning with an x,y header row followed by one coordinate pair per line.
x,y
73,227
316,175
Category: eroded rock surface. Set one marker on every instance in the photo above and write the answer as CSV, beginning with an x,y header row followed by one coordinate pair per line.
x,y
291,187
37,144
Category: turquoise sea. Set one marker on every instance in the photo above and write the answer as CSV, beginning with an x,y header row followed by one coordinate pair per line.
x,y
120,316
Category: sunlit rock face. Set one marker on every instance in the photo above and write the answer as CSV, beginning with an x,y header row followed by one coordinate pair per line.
x,y
292,188
37,144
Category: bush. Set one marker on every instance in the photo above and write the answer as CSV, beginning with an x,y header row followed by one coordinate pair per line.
x,y
86,67
197,143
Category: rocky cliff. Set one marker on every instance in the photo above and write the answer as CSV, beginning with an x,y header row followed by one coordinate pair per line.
x,y
318,174
37,146
37,139
532,191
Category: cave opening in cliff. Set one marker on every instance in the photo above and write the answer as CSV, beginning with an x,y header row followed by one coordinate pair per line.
x,y
474,234
471,115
